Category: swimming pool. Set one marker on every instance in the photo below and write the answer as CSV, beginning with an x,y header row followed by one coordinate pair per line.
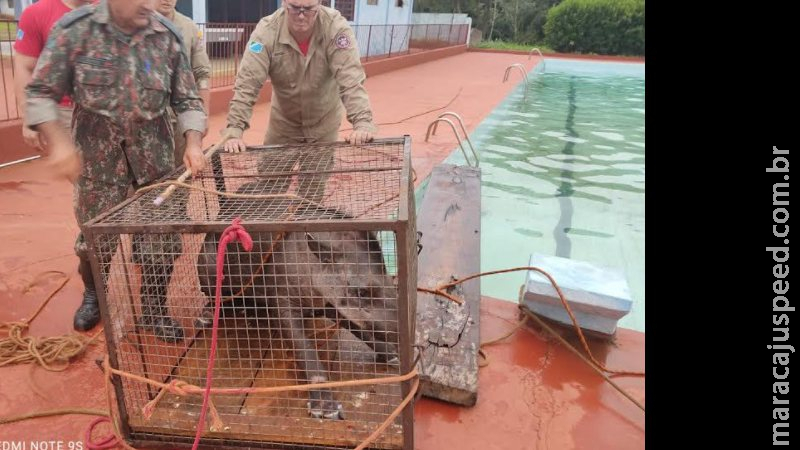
x,y
563,173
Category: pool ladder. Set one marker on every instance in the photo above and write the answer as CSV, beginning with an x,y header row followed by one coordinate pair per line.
x,y
521,69
435,124
536,49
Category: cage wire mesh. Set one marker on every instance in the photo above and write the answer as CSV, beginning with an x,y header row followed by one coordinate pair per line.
x,y
326,294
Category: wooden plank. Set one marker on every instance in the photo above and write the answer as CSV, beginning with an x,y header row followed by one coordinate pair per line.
x,y
449,219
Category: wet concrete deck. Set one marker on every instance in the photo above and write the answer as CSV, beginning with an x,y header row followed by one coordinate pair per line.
x,y
533,394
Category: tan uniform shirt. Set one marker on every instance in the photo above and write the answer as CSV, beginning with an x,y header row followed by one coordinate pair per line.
x,y
195,49
308,91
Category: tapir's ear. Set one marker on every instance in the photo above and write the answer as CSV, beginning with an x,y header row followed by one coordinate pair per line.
x,y
322,250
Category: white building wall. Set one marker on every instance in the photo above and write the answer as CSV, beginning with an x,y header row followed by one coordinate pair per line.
x,y
382,28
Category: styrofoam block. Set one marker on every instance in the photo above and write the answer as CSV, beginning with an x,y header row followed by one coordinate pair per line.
x,y
598,296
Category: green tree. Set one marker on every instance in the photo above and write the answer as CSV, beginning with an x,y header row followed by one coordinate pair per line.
x,y
520,21
607,27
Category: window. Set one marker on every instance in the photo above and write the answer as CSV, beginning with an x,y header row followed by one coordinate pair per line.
x,y
346,7
185,7
239,11
399,3
372,2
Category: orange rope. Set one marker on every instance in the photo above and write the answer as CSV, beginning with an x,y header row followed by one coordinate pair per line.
x,y
442,293
19,349
439,290
529,313
183,388
418,114
371,438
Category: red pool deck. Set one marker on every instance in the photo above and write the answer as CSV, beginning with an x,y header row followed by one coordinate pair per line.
x,y
534,394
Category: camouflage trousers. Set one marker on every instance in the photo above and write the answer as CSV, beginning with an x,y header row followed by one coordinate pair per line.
x,y
93,196
310,186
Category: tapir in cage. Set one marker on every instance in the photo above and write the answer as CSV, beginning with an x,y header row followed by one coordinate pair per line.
x,y
297,275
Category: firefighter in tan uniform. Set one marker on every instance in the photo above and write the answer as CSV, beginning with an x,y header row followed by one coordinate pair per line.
x,y
310,53
195,49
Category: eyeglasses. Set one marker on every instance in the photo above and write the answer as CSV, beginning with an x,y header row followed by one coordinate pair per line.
x,y
305,10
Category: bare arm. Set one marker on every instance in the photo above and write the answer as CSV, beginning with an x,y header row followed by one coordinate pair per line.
x,y
23,73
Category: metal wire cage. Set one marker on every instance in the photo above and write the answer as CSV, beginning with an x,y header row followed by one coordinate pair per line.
x,y
327,293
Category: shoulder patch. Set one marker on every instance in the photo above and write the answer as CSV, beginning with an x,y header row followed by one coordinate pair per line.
x,y
255,47
342,41
20,34
75,15
170,26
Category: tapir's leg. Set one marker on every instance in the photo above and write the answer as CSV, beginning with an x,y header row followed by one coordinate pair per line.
x,y
321,403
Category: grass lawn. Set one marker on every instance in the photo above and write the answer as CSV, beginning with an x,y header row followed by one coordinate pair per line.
x,y
503,45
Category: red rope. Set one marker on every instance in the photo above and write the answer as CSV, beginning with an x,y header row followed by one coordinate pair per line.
x,y
233,233
106,443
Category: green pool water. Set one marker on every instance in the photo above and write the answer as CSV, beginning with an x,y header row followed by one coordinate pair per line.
x,y
563,173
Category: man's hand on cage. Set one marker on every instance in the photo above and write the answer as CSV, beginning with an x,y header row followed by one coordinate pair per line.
x,y
194,158
235,145
358,137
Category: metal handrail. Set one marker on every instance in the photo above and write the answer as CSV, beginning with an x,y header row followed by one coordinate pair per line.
x,y
524,77
463,130
536,49
453,126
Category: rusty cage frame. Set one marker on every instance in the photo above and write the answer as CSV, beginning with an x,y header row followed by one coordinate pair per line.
x,y
393,164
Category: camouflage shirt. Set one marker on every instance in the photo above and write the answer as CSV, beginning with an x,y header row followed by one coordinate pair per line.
x,y
121,85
